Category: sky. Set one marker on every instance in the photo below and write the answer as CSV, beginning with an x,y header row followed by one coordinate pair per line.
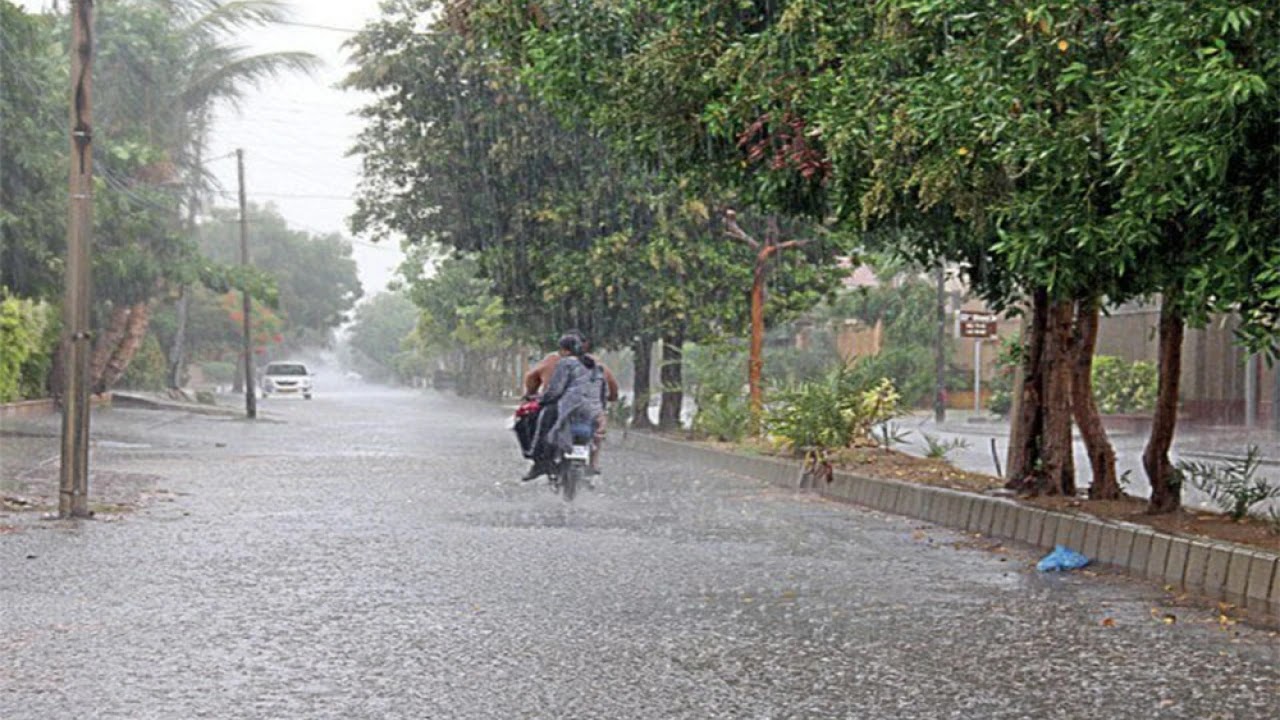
x,y
296,130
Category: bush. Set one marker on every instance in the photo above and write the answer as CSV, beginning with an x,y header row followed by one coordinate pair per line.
x,y
715,379
1122,387
911,370
28,334
1233,485
834,412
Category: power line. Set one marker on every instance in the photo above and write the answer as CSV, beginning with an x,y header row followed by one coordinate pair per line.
x,y
291,196
314,26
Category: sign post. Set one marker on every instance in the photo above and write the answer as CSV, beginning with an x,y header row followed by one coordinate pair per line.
x,y
978,326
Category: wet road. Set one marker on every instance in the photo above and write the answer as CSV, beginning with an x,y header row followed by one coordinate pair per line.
x,y
372,555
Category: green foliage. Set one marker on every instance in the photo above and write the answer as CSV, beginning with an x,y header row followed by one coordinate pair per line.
x,y
939,449
1008,359
1123,387
461,328
310,279
218,372
1231,485
716,378
834,412
33,166
147,369
569,227
381,330
25,343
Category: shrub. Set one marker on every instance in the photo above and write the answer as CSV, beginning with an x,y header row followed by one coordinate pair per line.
x,y
1123,387
1233,485
27,338
716,375
834,412
939,449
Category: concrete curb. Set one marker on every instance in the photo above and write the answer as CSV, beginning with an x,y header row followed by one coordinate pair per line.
x,y
45,406
140,401
1245,576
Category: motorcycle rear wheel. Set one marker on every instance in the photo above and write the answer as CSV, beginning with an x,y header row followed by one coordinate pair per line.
x,y
571,474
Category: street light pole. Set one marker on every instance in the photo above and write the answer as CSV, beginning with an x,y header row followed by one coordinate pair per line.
x,y
250,400
940,353
73,491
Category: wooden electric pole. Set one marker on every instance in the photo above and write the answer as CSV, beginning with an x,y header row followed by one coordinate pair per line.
x,y
250,400
73,493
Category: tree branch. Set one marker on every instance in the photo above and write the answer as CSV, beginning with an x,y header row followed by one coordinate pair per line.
x,y
735,231
793,244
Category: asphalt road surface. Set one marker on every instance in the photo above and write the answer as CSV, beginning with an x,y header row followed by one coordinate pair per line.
x,y
372,554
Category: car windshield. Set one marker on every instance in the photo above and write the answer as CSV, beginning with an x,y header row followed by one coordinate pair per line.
x,y
286,369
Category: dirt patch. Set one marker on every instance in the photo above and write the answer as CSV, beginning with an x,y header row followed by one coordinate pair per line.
x,y
111,492
891,464
882,463
1197,523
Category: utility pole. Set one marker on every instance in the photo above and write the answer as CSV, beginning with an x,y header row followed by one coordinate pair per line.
x,y
250,400
940,360
73,491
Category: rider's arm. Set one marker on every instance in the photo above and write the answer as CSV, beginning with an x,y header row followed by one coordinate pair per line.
x,y
612,383
533,378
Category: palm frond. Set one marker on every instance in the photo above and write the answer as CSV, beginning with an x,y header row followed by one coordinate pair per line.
x,y
228,80
219,18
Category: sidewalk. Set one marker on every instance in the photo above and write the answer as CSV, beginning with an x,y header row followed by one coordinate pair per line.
x,y
983,434
1225,442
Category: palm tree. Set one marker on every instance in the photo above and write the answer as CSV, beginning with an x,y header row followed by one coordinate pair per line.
x,y
218,72
166,66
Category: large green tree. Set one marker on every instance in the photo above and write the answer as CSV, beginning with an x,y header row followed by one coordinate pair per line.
x,y
33,151
1064,152
626,246
314,276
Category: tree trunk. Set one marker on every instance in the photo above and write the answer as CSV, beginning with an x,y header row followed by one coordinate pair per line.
x,y
1102,457
1028,419
642,361
1166,486
135,332
108,340
1057,461
178,351
672,382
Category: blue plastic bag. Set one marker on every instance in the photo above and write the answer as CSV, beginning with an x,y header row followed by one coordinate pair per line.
x,y
1062,558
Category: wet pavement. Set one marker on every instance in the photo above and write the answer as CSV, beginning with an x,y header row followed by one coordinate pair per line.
x,y
1213,445
371,554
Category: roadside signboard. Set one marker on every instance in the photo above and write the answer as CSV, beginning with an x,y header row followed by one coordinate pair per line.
x,y
977,325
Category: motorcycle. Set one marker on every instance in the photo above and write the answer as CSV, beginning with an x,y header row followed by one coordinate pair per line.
x,y
570,470
566,471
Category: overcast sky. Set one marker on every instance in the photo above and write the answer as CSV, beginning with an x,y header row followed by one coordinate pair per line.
x,y
296,131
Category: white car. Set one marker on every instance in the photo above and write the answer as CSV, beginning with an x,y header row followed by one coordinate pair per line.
x,y
286,378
